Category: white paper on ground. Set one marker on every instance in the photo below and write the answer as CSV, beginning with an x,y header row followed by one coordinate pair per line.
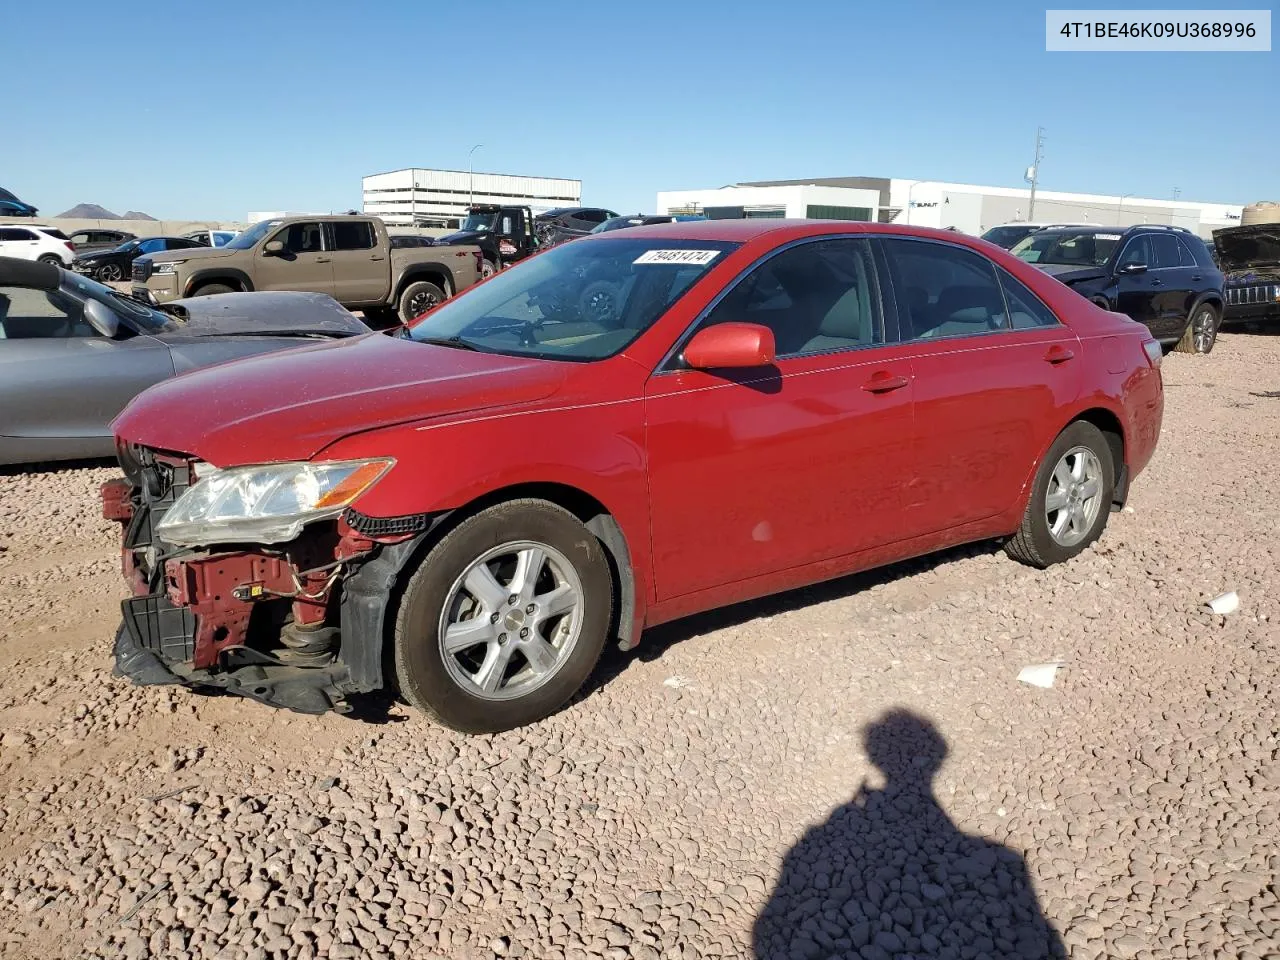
x,y
1226,603
1039,674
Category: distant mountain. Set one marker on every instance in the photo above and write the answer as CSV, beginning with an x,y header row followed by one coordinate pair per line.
x,y
88,211
91,211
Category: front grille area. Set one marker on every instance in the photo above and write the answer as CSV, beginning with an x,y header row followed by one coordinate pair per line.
x,y
141,271
387,526
1256,293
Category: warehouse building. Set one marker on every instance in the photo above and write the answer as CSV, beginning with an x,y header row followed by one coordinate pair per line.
x,y
934,203
439,198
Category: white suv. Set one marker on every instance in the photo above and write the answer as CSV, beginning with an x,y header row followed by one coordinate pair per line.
x,y
46,244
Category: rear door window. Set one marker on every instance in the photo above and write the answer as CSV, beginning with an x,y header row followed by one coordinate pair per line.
x,y
1164,249
1026,310
352,235
16,233
943,290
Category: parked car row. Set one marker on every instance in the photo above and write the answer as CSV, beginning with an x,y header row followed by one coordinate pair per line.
x,y
304,527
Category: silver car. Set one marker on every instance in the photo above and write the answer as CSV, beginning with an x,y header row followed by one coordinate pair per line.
x,y
73,352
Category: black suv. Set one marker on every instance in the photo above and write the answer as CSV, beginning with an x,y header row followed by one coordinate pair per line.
x,y
1250,256
1161,276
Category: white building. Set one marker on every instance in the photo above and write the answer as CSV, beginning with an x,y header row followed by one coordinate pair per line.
x,y
439,198
935,203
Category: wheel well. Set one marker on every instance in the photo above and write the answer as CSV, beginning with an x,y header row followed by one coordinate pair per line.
x,y
593,514
430,276
203,282
1109,424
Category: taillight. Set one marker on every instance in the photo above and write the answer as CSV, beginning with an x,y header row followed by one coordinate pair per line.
x,y
1155,353
70,245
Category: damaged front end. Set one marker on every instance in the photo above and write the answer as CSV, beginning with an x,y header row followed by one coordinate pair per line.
x,y
297,624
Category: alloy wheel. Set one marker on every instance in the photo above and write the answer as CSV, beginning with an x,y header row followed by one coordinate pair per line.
x,y
1074,497
511,620
110,273
420,303
1203,330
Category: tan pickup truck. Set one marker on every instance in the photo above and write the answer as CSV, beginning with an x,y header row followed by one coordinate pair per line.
x,y
348,257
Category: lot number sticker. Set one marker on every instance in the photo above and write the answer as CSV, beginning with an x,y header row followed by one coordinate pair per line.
x,y
698,258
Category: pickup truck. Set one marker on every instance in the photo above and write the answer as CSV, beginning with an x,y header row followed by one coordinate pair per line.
x,y
350,258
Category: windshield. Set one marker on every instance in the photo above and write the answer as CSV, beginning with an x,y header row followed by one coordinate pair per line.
x,y
480,222
145,318
1084,248
1007,236
249,238
581,301
127,245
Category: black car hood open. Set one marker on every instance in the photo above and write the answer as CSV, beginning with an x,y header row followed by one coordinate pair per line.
x,y
269,313
1070,272
1256,245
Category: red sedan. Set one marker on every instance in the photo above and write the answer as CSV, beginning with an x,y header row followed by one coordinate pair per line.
x,y
621,431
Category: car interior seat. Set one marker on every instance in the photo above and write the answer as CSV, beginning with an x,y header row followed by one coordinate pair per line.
x,y
967,309
846,324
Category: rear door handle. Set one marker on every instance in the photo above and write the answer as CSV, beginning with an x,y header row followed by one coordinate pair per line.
x,y
1059,354
322,259
1197,278
883,382
1157,283
377,256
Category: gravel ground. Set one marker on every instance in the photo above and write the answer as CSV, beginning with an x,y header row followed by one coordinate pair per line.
x,y
847,771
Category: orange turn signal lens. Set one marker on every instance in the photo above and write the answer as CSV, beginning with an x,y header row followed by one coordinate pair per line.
x,y
356,483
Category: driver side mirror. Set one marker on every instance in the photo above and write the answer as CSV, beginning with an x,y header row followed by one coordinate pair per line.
x,y
730,345
102,318
273,248
1130,268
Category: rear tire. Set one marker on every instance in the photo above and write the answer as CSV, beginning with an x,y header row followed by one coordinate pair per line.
x,y
418,298
51,258
442,597
1201,333
209,289
1049,536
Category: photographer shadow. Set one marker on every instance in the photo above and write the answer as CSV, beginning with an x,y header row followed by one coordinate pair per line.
x,y
888,875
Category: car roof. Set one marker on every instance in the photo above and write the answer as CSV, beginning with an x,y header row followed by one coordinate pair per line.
x,y
743,231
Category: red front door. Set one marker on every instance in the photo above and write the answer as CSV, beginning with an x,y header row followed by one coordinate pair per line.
x,y
777,469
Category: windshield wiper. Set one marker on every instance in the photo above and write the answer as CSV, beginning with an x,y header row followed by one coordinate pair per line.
x,y
456,342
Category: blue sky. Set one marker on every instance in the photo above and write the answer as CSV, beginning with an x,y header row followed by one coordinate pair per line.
x,y
215,109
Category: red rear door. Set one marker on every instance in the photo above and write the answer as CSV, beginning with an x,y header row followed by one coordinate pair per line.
x,y
994,371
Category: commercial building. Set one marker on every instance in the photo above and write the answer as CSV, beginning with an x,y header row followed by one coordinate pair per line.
x,y
439,198
935,203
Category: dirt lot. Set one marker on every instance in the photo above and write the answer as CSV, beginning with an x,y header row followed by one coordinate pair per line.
x,y
849,771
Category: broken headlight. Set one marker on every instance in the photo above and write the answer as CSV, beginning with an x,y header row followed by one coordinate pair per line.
x,y
265,504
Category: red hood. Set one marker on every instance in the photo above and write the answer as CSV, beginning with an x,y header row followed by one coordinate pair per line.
x,y
291,405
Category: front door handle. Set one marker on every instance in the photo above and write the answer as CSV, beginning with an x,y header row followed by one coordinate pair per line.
x,y
1157,283
322,259
1058,354
1197,278
377,256
883,382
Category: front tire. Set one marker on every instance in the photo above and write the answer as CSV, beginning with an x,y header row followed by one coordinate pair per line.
x,y
505,618
487,269
110,273
1201,333
418,298
1070,499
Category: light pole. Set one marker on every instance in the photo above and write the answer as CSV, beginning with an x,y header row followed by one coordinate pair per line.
x,y
471,189
1033,176
1120,209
